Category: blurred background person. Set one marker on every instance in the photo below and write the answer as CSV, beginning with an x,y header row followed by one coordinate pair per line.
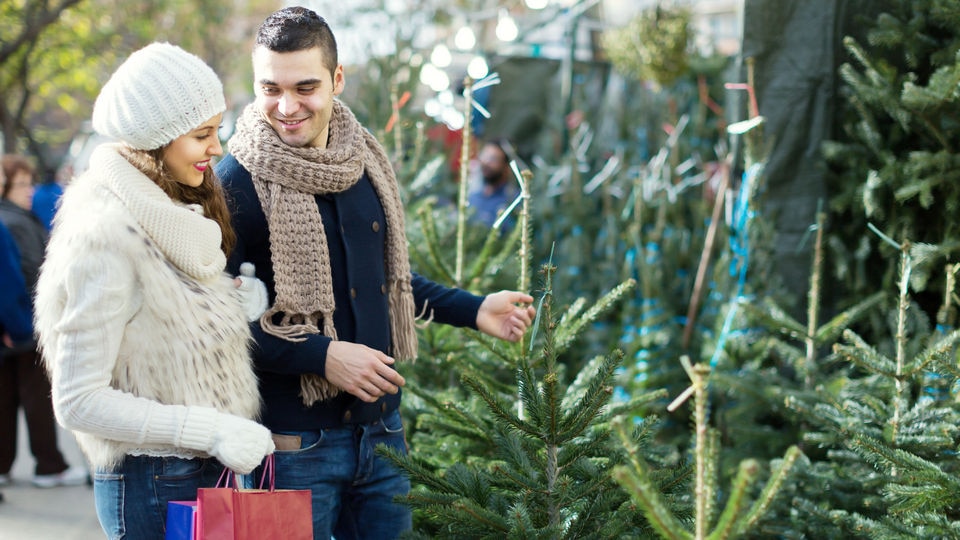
x,y
494,187
16,328
23,380
47,194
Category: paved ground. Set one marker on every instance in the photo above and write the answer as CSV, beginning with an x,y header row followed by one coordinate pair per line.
x,y
29,513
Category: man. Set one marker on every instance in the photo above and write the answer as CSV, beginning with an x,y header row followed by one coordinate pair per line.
x,y
317,211
498,187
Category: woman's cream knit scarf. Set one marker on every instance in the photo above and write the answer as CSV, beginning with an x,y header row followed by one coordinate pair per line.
x,y
188,239
286,180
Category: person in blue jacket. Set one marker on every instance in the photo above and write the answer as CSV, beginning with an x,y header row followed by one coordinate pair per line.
x,y
46,196
16,326
496,188
317,210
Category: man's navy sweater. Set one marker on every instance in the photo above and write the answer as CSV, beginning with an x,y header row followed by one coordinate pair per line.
x,y
355,227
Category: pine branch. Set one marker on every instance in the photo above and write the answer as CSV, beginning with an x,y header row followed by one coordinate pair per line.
x,y
565,335
573,310
504,354
930,430
727,522
481,261
938,91
578,386
500,409
938,353
518,472
553,413
635,478
481,517
850,524
488,261
772,488
834,328
429,227
635,404
775,318
534,412
421,499
459,421
711,463
928,172
416,468
864,355
905,466
588,407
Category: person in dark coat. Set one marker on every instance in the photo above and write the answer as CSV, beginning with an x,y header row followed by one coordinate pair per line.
x,y
23,380
16,327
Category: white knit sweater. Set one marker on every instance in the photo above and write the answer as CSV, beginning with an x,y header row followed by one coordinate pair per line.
x,y
142,332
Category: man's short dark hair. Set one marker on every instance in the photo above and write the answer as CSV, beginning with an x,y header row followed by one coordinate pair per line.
x,y
505,146
296,29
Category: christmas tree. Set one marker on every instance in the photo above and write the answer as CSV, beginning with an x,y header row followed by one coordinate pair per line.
x,y
896,163
537,456
884,432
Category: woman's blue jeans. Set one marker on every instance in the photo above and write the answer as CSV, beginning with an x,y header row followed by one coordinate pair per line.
x,y
132,499
353,488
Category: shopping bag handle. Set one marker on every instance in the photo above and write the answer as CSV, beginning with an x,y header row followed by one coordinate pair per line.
x,y
227,474
224,480
268,470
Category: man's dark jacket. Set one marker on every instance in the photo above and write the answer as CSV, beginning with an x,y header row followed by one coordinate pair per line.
x,y
355,226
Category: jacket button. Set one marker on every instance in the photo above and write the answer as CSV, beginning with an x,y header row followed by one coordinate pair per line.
x,y
383,288
346,416
353,293
376,226
383,407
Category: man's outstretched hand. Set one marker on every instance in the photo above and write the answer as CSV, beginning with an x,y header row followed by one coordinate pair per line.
x,y
506,315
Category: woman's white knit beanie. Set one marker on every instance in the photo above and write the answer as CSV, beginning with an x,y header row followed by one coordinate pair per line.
x,y
158,94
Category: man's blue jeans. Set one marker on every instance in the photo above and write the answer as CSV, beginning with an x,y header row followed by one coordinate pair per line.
x,y
353,488
132,499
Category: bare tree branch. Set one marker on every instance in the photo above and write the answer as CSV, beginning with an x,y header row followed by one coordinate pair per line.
x,y
38,16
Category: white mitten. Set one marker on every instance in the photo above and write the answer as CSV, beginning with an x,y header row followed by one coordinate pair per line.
x,y
240,444
253,293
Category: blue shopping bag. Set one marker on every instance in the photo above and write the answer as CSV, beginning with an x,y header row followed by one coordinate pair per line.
x,y
181,520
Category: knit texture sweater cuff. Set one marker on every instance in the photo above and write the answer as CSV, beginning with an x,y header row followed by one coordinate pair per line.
x,y
199,428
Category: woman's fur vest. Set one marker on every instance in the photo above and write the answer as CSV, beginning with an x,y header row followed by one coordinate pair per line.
x,y
143,355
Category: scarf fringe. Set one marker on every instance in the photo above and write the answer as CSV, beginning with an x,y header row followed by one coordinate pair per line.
x,y
402,319
286,330
314,388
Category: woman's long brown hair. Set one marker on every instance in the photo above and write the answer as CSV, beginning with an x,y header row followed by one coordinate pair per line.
x,y
209,194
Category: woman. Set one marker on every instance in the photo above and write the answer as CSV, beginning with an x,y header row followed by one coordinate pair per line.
x,y
23,381
144,335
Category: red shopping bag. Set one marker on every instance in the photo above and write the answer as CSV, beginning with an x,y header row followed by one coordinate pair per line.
x,y
232,513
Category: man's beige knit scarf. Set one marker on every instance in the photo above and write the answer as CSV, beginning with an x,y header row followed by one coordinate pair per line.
x,y
286,180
